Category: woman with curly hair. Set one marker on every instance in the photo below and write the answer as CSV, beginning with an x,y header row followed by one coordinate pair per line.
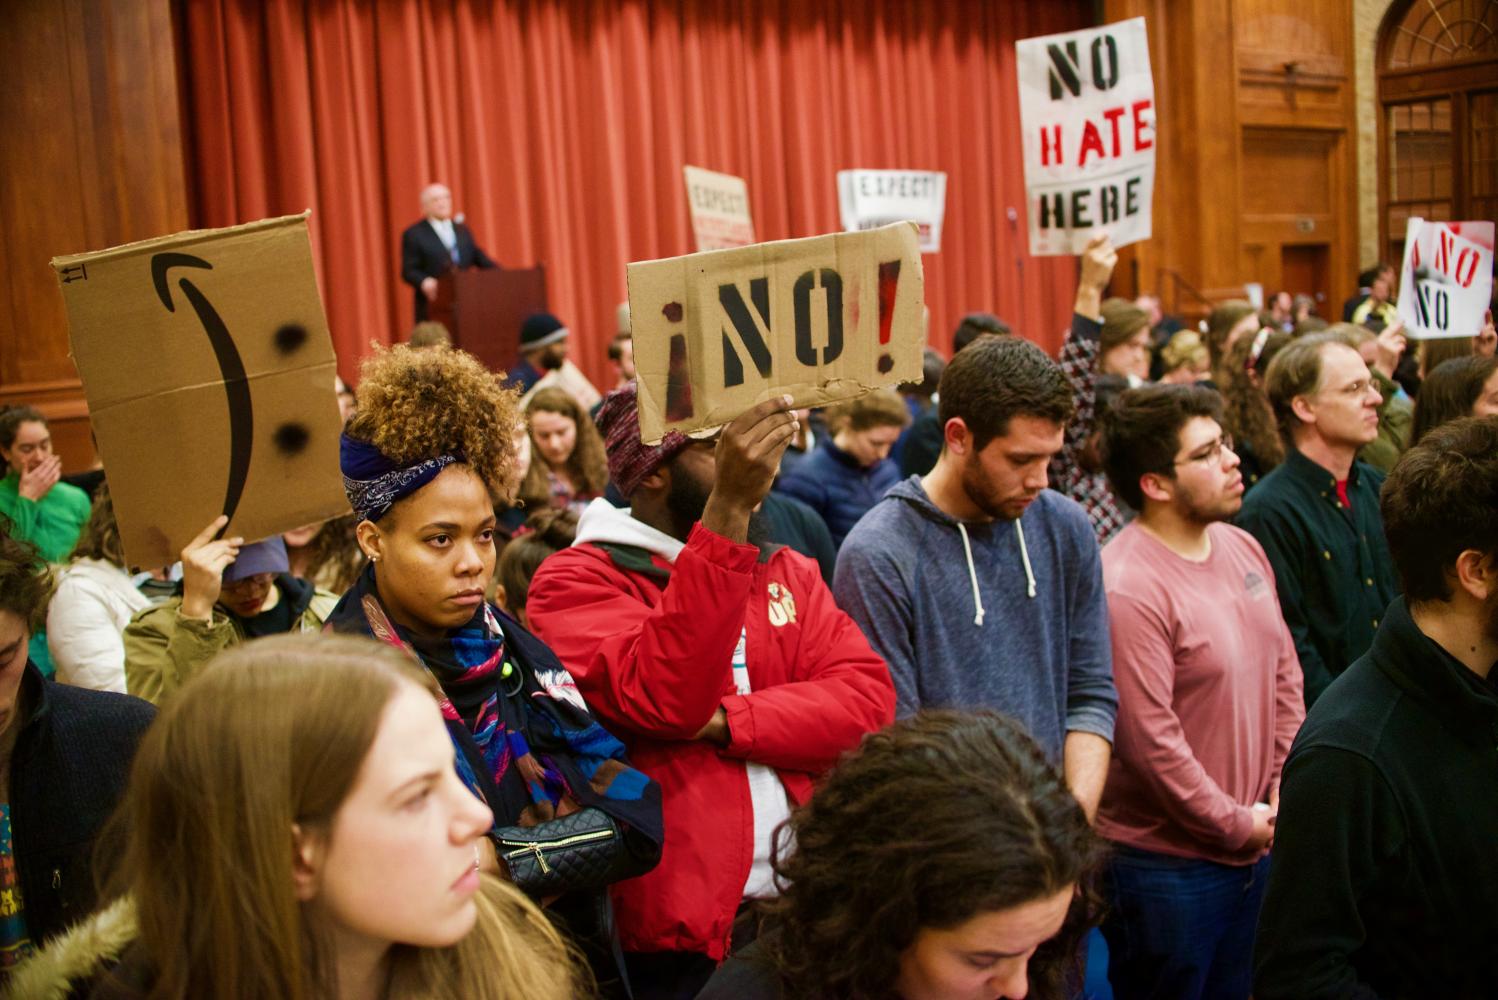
x,y
568,469
944,859
1246,415
294,828
426,458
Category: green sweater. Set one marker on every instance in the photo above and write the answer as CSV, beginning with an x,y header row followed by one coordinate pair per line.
x,y
1332,566
52,523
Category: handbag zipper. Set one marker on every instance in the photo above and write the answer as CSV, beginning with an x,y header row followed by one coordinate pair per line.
x,y
535,846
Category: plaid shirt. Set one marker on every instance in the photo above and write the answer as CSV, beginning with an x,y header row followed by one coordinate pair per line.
x,y
1079,358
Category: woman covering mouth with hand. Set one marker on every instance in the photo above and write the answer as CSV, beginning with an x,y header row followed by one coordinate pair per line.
x,y
427,457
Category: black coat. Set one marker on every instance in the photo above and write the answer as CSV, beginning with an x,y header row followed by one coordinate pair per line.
x,y
423,256
1384,881
68,772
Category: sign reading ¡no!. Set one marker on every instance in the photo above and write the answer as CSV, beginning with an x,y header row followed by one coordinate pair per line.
x,y
819,319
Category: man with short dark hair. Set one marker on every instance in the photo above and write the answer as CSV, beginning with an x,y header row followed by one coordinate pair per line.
x,y
1209,699
978,585
722,663
65,757
1385,876
921,443
1316,514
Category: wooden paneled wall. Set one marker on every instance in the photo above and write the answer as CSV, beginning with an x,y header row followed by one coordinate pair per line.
x,y
1257,171
92,158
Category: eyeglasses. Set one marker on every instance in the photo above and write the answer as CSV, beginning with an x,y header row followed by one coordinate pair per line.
x,y
1212,455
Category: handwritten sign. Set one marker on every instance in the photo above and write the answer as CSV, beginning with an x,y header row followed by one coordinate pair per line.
x,y
1087,110
1446,282
720,209
868,199
820,319
208,369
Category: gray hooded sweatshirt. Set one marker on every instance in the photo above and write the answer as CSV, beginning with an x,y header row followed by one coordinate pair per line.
x,y
1008,615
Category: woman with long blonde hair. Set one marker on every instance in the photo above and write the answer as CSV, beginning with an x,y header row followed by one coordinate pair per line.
x,y
568,468
296,829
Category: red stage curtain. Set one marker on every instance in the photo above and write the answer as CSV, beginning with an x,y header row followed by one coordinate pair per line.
x,y
562,129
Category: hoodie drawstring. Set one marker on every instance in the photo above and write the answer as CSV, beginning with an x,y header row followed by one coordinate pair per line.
x,y
1024,556
972,574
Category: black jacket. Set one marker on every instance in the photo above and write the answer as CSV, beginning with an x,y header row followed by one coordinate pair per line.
x,y
423,255
1384,881
1332,566
68,771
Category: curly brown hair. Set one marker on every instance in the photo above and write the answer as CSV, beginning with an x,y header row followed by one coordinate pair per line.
x,y
1246,413
334,559
937,819
25,580
587,466
101,534
415,405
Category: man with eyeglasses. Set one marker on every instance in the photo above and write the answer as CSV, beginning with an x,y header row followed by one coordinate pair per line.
x,y
1316,515
1209,700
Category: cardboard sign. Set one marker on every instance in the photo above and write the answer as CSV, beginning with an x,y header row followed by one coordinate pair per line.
x,y
1087,111
869,199
720,209
820,319
208,369
1446,282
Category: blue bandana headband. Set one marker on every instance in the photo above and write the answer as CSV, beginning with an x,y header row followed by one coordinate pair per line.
x,y
374,483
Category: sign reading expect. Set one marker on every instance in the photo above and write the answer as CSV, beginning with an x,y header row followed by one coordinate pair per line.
x,y
1087,111
1446,282
868,199
819,319
208,369
720,209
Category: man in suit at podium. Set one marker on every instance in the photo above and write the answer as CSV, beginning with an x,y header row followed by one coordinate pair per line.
x,y
435,245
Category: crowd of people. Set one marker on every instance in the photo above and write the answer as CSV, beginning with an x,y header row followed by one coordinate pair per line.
x,y
1177,649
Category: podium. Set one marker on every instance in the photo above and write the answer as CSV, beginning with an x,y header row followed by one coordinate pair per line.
x,y
483,308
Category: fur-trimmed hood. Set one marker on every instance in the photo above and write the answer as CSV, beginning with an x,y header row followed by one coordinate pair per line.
x,y
77,955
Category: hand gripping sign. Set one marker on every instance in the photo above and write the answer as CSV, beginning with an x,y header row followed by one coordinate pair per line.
x,y
1087,112
208,369
819,319
1446,282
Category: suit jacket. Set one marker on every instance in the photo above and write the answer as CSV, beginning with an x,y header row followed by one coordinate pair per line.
x,y
423,255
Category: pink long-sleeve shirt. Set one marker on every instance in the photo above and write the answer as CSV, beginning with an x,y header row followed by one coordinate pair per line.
x,y
1209,694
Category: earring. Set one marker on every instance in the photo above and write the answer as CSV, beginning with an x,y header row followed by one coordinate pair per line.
x,y
374,558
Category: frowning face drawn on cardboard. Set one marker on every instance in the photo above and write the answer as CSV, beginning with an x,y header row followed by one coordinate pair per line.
x,y
209,374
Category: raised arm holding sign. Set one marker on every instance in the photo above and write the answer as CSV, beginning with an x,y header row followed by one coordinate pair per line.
x,y
1087,112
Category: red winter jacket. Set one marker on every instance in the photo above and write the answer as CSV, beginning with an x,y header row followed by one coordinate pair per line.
x,y
654,662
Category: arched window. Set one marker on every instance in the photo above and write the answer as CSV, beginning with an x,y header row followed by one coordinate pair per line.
x,y
1438,134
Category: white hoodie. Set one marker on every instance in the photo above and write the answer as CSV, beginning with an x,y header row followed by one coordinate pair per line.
x,y
86,621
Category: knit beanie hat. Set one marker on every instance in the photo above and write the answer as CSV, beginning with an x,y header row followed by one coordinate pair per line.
x,y
540,330
1121,320
630,459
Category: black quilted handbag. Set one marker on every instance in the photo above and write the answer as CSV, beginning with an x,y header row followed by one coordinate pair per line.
x,y
582,850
